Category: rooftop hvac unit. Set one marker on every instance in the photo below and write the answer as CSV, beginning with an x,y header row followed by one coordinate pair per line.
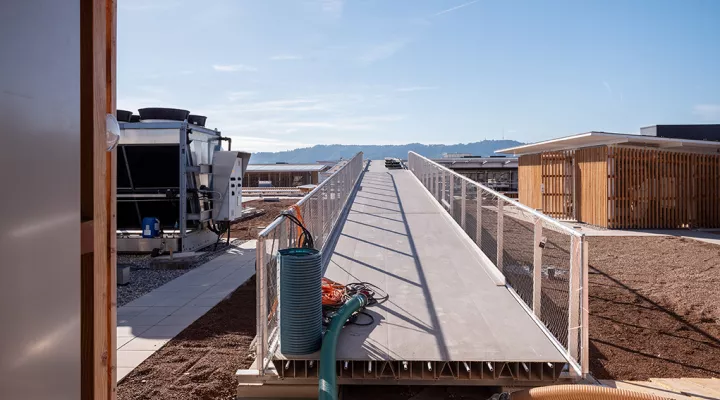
x,y
177,172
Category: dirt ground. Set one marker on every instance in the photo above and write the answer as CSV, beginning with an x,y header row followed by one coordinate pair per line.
x,y
250,228
200,362
654,308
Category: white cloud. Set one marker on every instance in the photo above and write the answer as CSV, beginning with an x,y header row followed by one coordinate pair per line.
x,y
455,8
708,112
234,68
235,96
285,57
415,88
333,8
383,51
608,88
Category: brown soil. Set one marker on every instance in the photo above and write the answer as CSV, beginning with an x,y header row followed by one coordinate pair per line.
x,y
654,308
249,228
200,362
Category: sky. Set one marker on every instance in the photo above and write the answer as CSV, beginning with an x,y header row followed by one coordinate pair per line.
x,y
282,74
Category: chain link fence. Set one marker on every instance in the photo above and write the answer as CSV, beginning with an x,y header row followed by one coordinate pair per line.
x,y
544,262
320,211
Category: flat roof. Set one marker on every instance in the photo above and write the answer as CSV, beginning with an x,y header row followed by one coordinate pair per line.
x,y
590,139
478,162
286,167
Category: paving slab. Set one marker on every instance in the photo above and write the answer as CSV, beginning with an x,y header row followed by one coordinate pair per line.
x,y
149,322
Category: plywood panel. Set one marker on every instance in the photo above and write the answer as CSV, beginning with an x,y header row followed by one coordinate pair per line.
x,y
529,180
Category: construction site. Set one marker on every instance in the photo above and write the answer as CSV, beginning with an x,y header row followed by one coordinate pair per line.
x,y
149,258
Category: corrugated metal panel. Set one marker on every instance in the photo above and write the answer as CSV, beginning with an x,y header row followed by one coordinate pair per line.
x,y
286,167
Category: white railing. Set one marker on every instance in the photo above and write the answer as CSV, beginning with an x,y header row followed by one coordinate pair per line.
x,y
320,211
543,261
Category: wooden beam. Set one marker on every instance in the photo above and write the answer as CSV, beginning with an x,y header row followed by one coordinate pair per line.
x,y
98,290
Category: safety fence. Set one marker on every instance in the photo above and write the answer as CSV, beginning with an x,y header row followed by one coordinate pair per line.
x,y
319,211
543,261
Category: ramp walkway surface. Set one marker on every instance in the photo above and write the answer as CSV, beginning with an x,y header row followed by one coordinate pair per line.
x,y
444,304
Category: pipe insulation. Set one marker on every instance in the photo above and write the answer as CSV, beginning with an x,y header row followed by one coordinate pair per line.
x,y
300,301
328,375
580,392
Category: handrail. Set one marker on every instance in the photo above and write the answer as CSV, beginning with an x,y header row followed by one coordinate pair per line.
x,y
560,279
521,206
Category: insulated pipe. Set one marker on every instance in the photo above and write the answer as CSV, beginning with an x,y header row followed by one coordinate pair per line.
x,y
580,392
327,383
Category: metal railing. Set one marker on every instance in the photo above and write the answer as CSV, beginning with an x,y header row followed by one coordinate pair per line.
x,y
320,211
543,261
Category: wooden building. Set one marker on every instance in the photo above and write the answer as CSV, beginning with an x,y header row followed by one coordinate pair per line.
x,y
284,175
623,181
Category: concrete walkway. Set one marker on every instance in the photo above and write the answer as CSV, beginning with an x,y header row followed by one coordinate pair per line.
x,y
147,323
706,236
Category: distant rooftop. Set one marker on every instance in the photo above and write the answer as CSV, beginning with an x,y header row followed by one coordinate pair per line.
x,y
286,167
472,162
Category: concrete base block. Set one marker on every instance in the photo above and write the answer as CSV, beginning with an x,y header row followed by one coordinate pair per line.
x,y
123,275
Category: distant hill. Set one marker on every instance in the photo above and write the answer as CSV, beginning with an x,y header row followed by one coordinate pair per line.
x,y
376,152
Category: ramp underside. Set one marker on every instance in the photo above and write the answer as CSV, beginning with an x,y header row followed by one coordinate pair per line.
x,y
443,305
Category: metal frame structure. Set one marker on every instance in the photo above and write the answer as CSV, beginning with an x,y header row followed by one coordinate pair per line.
x,y
566,322
320,211
196,148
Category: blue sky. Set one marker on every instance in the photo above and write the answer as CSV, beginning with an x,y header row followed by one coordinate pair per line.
x,y
281,74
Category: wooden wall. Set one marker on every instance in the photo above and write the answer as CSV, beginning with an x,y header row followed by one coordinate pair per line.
x,y
529,179
591,182
663,189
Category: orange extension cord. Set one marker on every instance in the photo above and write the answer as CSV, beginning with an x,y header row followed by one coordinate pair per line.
x,y
333,293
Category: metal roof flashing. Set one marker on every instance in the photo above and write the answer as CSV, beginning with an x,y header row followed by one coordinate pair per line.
x,y
591,139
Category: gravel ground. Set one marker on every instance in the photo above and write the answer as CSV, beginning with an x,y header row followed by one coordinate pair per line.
x,y
144,278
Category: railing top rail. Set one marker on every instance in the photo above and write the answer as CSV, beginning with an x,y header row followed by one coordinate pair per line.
x,y
277,221
323,183
521,206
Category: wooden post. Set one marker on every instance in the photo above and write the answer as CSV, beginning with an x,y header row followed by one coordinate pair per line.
x,y
585,354
499,234
537,267
463,203
97,200
574,319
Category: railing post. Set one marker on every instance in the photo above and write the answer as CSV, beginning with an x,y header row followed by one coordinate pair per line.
x,y
500,234
585,354
442,186
261,285
451,200
437,184
478,217
463,203
574,297
537,267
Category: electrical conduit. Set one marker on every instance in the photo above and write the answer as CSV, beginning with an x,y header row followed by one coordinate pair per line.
x,y
327,383
578,392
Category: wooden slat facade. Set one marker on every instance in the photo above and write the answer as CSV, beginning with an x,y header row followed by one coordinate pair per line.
x,y
591,183
557,184
656,189
622,187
